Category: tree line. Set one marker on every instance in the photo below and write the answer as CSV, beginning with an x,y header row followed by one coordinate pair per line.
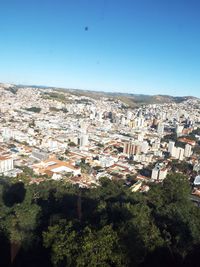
x,y
55,224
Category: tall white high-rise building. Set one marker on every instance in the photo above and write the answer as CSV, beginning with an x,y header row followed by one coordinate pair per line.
x,y
159,173
139,122
180,153
188,151
6,164
154,174
52,144
129,114
144,147
83,140
83,126
8,134
171,147
179,129
160,128
140,137
123,121
100,116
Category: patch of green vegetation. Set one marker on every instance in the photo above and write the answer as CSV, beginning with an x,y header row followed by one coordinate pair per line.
x,y
13,90
33,109
58,224
54,109
55,96
71,144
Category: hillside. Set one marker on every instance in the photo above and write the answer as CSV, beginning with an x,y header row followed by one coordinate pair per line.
x,y
130,99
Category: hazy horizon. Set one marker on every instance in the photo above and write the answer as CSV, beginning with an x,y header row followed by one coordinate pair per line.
x,y
94,90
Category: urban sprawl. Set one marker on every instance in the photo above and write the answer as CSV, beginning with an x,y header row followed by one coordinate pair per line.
x,y
56,134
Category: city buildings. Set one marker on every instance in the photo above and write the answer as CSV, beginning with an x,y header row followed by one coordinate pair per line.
x,y
69,135
159,173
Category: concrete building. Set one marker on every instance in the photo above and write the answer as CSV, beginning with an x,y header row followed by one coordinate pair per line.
x,y
160,128
155,174
83,140
180,153
171,147
53,165
179,129
6,165
144,147
159,173
128,148
188,151
131,148
39,154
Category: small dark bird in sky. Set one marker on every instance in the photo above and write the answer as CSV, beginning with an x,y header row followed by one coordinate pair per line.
x,y
86,28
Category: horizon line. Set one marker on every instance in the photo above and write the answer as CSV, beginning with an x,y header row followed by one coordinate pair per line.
x,y
95,90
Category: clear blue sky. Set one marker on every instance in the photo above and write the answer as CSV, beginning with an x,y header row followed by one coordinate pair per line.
x,y
136,46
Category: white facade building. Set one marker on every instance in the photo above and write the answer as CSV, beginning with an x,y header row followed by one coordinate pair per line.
x,y
160,128
180,153
171,147
83,140
188,151
6,165
179,129
159,173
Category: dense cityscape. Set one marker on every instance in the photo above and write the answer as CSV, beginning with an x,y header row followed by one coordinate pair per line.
x,y
62,135
88,179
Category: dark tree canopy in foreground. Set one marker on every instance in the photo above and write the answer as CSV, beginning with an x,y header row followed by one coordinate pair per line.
x,y
57,224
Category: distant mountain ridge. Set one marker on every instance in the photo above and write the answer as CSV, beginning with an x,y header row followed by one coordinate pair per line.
x,y
130,99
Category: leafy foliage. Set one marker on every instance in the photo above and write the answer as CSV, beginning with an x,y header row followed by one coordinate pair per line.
x,y
58,224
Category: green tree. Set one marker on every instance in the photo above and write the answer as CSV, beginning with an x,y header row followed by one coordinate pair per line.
x,y
174,213
88,247
100,248
176,188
